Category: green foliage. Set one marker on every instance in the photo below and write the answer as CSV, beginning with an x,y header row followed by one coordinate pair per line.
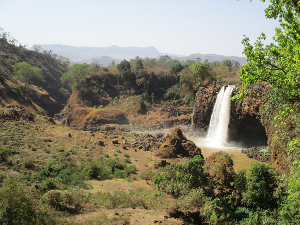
x,y
240,180
92,170
131,169
64,200
140,198
173,93
222,169
290,209
179,179
124,66
218,211
195,199
4,153
17,208
139,65
127,160
75,75
176,68
26,73
276,63
201,71
261,187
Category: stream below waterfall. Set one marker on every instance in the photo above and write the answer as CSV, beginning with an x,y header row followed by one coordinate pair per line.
x,y
240,160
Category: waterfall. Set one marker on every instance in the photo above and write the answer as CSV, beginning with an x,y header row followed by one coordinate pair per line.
x,y
218,126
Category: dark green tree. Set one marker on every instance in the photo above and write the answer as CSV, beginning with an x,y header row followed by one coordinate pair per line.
x,y
124,65
139,65
261,187
176,68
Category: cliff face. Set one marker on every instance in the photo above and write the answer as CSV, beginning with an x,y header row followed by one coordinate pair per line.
x,y
246,125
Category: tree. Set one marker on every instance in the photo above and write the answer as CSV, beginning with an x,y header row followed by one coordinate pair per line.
x,y
276,63
75,75
176,68
26,73
124,65
260,188
139,65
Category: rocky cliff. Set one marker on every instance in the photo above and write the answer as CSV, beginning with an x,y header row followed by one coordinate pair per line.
x,y
246,125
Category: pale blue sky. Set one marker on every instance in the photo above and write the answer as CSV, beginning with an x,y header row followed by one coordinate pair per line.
x,y
171,26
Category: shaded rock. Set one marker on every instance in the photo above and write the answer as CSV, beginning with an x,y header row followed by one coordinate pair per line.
x,y
115,141
261,154
177,144
101,143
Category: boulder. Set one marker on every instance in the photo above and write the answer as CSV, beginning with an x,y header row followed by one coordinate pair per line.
x,y
177,144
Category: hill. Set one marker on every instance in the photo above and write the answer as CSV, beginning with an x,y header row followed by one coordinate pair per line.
x,y
105,55
48,94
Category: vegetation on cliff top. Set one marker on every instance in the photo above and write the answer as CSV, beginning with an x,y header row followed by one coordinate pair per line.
x,y
278,64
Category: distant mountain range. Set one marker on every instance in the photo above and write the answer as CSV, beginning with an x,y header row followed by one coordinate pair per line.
x,y
106,55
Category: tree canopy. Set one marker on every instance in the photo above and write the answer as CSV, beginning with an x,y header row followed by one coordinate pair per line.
x,y
26,73
276,63
75,75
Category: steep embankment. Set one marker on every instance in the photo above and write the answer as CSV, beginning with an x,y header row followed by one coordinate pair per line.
x,y
247,123
49,94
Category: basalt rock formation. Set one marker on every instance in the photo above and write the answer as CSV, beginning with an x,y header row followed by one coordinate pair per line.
x,y
177,144
244,125
247,125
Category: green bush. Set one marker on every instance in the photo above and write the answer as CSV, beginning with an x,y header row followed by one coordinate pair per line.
x,y
48,185
17,208
131,169
92,170
4,153
127,160
179,179
64,200
261,187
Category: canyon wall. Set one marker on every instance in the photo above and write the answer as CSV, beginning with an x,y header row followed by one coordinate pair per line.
x,y
247,125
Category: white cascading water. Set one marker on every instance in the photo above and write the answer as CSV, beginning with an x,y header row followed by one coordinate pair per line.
x,y
218,126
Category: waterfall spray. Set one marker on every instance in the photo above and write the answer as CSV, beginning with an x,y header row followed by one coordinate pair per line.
x,y
218,126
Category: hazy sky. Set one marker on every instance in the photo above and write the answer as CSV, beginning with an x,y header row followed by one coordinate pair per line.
x,y
171,26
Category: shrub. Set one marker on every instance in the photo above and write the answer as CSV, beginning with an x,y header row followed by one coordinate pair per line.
x,y
106,155
179,179
127,160
48,185
92,170
17,208
131,169
64,200
195,199
4,153
261,186
126,155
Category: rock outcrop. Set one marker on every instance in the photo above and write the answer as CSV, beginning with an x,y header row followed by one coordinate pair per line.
x,y
177,144
246,125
